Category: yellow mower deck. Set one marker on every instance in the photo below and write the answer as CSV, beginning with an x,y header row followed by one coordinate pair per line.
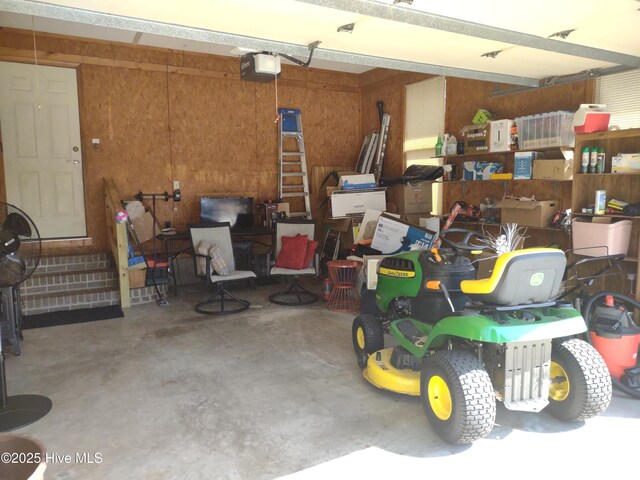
x,y
382,374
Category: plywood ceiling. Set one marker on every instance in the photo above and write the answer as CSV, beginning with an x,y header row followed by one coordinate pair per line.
x,y
394,36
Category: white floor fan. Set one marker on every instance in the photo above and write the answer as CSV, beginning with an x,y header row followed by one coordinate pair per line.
x,y
19,257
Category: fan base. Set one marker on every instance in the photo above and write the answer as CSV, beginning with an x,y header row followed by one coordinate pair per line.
x,y
23,410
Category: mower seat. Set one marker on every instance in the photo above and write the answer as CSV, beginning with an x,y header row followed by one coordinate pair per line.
x,y
521,277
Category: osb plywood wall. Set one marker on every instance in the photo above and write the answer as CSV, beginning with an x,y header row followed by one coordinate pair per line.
x,y
387,86
163,116
465,97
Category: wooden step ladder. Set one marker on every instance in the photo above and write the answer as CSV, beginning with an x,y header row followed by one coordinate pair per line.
x,y
293,179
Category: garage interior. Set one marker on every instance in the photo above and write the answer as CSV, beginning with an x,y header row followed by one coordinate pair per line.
x,y
165,392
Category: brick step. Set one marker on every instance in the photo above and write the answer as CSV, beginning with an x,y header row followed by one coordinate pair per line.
x,y
62,263
70,282
147,294
57,281
70,300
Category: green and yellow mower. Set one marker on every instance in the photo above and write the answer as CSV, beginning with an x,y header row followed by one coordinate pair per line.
x,y
462,344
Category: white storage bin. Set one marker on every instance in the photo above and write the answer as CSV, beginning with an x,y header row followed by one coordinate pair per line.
x,y
545,130
595,239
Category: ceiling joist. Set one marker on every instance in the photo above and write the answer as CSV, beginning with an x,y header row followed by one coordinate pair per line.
x,y
87,17
403,14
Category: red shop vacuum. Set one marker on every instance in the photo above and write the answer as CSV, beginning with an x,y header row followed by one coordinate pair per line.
x,y
615,335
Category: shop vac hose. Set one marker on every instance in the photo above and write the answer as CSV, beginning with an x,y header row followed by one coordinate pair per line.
x,y
586,313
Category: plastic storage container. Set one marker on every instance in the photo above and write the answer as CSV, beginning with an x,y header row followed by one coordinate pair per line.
x,y
544,130
594,239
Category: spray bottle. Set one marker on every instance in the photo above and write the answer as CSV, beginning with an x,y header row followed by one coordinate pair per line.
x,y
585,160
593,160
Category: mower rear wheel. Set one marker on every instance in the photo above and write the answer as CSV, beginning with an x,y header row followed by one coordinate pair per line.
x,y
368,337
580,381
457,396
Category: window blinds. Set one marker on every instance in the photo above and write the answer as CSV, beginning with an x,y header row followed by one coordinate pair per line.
x,y
424,118
621,94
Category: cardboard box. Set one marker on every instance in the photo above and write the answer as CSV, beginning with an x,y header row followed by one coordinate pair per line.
x,y
368,227
476,138
414,218
625,163
424,220
144,227
553,169
137,278
393,235
347,203
355,182
370,269
523,164
330,190
535,213
500,136
412,197
480,170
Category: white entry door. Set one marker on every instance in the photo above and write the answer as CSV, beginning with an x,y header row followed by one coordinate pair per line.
x,y
40,127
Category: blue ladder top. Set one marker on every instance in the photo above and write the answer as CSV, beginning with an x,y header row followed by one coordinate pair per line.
x,y
289,111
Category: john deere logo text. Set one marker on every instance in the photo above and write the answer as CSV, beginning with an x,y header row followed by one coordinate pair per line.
x,y
536,279
397,273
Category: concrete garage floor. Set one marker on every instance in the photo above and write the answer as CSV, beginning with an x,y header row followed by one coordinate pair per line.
x,y
166,393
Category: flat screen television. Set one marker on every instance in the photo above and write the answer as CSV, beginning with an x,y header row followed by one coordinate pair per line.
x,y
238,211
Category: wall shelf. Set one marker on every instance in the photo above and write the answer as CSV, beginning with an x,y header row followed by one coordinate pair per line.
x,y
626,174
622,186
606,215
473,192
506,152
493,225
525,180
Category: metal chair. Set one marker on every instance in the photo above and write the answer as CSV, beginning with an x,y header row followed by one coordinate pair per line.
x,y
204,237
295,294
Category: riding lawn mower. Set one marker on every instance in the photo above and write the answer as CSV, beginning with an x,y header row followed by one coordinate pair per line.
x,y
462,343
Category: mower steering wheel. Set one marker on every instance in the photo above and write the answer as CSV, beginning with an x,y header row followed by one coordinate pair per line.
x,y
463,245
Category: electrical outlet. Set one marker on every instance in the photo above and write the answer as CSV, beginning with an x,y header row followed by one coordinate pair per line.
x,y
176,185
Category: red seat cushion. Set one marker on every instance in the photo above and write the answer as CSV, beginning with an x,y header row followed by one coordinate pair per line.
x,y
293,252
312,245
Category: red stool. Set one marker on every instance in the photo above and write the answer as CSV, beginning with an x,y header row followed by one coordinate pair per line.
x,y
344,296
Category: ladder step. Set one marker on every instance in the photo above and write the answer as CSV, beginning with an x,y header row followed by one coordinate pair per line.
x,y
298,214
293,174
291,134
291,154
292,186
295,194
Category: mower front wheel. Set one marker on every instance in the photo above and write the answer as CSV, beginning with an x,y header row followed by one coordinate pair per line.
x,y
457,396
368,337
580,381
